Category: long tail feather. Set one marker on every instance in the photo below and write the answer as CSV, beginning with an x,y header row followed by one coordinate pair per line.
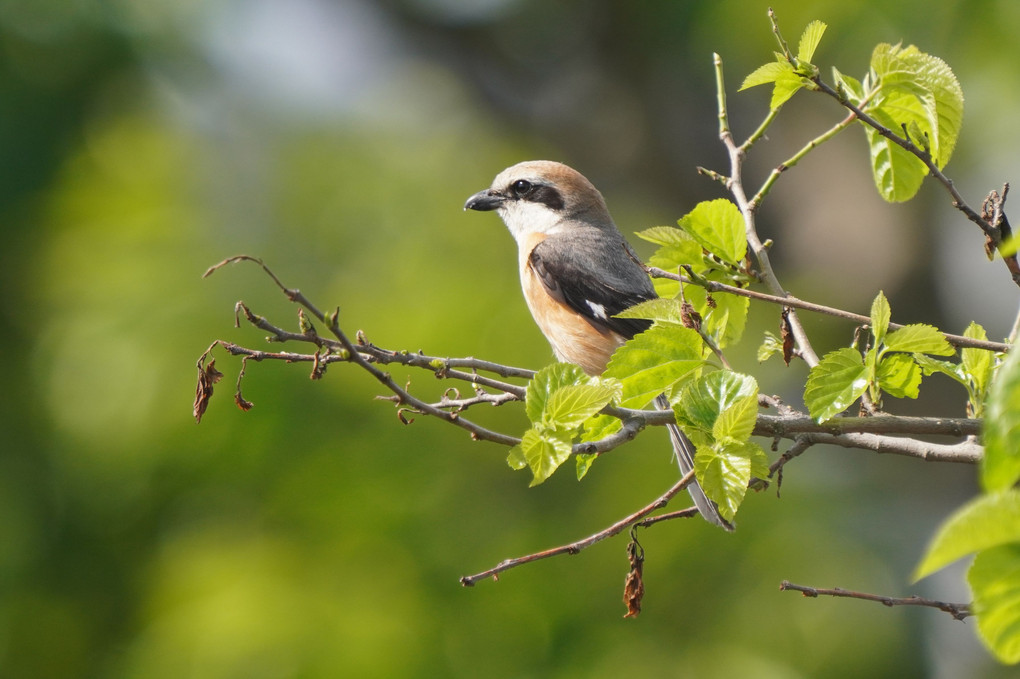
x,y
684,451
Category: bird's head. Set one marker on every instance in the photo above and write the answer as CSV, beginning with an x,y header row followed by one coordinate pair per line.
x,y
542,196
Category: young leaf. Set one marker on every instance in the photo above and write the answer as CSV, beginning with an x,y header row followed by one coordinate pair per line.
x,y
920,338
600,427
770,346
880,315
977,363
1000,468
583,462
994,578
719,228
544,453
569,406
787,85
899,376
898,174
989,521
545,383
658,309
737,421
702,402
766,73
654,361
725,318
724,470
663,235
809,40
836,382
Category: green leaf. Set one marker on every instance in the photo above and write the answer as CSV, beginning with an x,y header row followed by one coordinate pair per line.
x,y
1000,468
838,380
851,86
899,376
725,469
989,521
663,235
737,421
770,346
787,85
897,173
718,226
703,401
654,361
977,363
994,578
569,406
809,40
659,309
930,366
766,73
880,315
920,338
724,319
583,462
600,427
515,458
672,256
546,382
544,453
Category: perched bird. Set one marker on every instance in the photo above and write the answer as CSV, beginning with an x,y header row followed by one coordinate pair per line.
x,y
577,273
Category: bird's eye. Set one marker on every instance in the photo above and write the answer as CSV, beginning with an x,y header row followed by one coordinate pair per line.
x,y
522,187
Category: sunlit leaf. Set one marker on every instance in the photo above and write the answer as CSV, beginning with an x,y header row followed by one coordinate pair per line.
x,y
920,338
546,382
838,380
544,453
718,226
809,40
994,578
988,521
654,361
724,470
569,406
702,402
880,315
1000,468
583,462
977,363
899,376
766,73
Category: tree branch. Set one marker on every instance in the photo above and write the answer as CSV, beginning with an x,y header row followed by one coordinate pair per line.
x,y
958,611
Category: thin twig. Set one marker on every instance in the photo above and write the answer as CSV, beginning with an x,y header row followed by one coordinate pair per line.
x,y
958,611
576,547
713,286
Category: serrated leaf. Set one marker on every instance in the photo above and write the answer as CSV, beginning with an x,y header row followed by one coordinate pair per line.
x,y
1000,468
880,315
583,462
718,226
766,73
977,363
897,173
725,321
809,40
838,380
655,360
569,406
851,86
920,338
737,421
544,453
899,376
988,521
658,309
725,469
546,382
600,427
787,85
930,366
702,401
663,235
994,578
671,257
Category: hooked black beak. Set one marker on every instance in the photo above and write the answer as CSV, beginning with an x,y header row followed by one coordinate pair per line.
x,y
484,201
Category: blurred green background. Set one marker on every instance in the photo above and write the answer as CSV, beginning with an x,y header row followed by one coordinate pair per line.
x,y
316,536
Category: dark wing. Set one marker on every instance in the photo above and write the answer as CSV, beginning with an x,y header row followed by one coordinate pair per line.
x,y
593,274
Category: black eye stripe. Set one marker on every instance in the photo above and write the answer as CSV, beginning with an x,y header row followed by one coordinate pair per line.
x,y
540,193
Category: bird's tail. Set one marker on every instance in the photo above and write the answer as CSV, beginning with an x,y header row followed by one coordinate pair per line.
x,y
684,451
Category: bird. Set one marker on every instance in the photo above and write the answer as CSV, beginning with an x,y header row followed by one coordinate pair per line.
x,y
577,272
